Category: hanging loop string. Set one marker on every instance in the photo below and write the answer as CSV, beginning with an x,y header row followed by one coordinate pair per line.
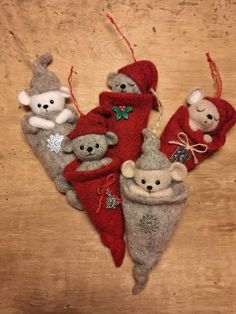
x,y
22,49
110,18
104,189
215,75
71,91
196,148
160,108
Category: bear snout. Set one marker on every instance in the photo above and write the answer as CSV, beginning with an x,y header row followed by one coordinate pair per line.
x,y
149,188
45,106
90,149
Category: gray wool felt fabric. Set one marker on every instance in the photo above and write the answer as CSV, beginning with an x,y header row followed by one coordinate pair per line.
x,y
47,148
151,157
43,79
150,221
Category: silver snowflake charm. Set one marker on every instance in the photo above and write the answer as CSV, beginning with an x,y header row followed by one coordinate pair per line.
x,y
112,201
149,223
54,143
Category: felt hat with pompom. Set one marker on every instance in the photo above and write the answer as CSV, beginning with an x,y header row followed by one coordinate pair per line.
x,y
93,125
43,80
144,73
151,158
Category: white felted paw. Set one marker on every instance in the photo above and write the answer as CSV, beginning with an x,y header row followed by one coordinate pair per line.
x,y
207,138
41,123
64,116
163,193
138,191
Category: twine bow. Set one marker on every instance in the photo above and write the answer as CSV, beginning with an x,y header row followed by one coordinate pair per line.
x,y
104,189
184,142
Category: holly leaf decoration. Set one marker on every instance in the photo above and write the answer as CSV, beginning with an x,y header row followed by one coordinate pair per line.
x,y
117,112
122,112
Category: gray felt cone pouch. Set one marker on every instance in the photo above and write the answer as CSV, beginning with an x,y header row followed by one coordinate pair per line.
x,y
49,122
153,197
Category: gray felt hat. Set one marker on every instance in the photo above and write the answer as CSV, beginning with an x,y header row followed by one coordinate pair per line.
x,y
151,157
43,80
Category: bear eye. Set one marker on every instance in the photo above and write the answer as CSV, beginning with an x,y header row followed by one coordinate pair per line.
x,y
97,145
39,105
157,182
51,101
200,110
143,181
82,147
131,84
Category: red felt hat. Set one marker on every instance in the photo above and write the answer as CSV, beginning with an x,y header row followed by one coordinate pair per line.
x,y
227,114
95,124
144,73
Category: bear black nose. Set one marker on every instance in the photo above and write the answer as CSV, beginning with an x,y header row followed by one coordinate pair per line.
x,y
89,149
149,187
45,106
209,116
122,86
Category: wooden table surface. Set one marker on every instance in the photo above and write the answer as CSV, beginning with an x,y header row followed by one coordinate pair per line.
x,y
51,259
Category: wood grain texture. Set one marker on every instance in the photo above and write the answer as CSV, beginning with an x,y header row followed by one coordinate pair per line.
x,y
51,259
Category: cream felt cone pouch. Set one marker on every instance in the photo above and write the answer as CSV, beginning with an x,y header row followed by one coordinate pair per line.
x,y
153,196
49,122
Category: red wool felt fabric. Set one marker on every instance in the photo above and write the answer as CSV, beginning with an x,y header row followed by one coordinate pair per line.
x,y
129,131
126,115
143,72
108,222
128,127
180,123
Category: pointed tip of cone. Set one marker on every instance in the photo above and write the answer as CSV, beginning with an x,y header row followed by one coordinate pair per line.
x,y
137,289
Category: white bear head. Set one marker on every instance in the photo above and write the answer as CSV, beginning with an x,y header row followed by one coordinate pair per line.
x,y
203,113
45,103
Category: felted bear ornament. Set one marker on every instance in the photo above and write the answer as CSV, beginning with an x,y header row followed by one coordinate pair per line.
x,y
127,108
125,111
196,131
49,121
95,179
153,196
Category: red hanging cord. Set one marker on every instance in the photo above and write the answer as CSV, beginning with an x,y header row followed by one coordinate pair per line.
x,y
215,75
125,38
71,91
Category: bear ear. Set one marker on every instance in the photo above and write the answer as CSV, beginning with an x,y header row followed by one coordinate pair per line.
x,y
24,98
65,92
110,78
178,171
195,95
67,145
111,138
128,169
